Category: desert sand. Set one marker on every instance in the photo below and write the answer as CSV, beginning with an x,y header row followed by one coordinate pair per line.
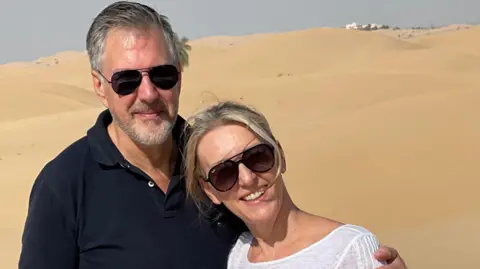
x,y
379,130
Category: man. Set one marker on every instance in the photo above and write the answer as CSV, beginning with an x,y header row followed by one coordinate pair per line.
x,y
115,198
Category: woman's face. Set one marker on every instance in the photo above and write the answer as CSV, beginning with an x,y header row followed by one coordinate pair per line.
x,y
257,194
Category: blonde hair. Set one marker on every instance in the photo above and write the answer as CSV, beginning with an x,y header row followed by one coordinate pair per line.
x,y
221,114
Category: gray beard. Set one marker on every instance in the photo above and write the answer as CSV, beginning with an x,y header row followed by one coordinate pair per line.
x,y
144,137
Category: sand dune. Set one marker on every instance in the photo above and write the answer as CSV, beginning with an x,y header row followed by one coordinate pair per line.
x,y
34,98
320,50
379,130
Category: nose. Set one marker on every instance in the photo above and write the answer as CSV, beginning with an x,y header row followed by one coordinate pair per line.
x,y
246,177
147,92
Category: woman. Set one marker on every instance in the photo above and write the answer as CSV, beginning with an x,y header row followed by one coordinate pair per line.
x,y
233,158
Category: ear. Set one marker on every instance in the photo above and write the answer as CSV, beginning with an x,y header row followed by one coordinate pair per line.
x,y
98,87
209,191
283,162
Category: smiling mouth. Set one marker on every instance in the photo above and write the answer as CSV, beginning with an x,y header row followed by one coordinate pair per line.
x,y
253,196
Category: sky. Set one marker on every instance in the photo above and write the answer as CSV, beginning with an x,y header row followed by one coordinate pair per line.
x,y
32,29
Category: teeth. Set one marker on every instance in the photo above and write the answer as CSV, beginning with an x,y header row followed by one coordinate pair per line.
x,y
253,196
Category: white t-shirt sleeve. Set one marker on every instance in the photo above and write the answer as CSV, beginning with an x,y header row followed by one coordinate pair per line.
x,y
359,254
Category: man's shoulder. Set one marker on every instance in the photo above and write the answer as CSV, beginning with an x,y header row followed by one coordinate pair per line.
x,y
67,164
71,156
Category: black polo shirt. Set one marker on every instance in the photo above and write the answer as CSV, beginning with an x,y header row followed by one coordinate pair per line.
x,y
90,209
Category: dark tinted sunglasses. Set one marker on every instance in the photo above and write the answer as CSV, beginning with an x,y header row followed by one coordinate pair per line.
x,y
259,159
127,81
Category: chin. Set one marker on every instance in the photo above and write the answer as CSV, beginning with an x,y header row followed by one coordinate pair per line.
x,y
150,135
259,213
259,217
157,127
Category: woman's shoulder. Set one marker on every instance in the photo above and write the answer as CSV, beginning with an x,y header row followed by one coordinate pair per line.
x,y
351,232
325,228
350,244
327,233
357,245
353,229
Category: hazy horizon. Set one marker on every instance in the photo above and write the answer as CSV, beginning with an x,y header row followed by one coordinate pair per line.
x,y
53,25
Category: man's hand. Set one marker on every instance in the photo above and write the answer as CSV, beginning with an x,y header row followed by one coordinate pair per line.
x,y
391,257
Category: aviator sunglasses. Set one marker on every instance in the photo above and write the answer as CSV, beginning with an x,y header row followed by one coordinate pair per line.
x,y
127,81
259,159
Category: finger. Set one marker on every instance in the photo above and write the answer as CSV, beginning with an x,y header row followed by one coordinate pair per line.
x,y
391,257
385,253
397,264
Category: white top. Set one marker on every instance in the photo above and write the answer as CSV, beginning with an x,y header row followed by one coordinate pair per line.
x,y
346,247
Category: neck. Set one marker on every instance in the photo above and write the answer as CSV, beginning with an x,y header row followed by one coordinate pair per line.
x,y
157,157
279,231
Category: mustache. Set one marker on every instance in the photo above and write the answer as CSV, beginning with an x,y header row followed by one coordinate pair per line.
x,y
148,108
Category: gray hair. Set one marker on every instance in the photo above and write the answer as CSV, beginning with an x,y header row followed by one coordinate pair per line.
x,y
220,114
128,15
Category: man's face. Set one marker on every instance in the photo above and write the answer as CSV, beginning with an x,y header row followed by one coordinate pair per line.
x,y
148,114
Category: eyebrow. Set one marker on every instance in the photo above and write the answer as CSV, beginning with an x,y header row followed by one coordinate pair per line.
x,y
143,69
249,146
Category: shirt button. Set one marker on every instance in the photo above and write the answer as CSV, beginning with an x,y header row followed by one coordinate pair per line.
x,y
151,184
